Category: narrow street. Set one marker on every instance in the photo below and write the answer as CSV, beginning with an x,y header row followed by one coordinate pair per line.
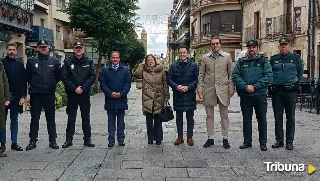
x,y
139,161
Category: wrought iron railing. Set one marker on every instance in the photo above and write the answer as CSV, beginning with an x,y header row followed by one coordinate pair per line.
x,y
197,4
205,37
46,2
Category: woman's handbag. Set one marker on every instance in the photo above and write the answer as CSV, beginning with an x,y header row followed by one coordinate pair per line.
x,y
167,112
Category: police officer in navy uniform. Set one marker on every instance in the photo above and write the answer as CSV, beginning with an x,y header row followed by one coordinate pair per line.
x,y
252,74
78,75
43,73
287,71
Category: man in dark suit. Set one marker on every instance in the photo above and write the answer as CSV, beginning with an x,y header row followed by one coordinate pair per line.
x,y
16,74
115,82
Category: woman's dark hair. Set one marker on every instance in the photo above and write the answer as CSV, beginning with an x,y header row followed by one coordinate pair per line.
x,y
146,58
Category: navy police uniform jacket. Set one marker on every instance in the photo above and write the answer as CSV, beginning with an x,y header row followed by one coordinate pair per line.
x,y
77,73
43,74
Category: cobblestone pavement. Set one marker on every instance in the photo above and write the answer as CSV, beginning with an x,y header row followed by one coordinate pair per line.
x,y
139,161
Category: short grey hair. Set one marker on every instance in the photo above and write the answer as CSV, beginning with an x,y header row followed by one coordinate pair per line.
x,y
12,44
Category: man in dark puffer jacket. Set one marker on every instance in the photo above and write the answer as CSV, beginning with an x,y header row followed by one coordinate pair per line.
x,y
183,79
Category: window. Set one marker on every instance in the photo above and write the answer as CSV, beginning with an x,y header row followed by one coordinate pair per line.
x,y
193,28
227,27
206,23
58,32
257,24
42,22
61,3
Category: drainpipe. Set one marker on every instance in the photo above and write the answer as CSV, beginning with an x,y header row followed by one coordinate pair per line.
x,y
241,34
313,38
309,38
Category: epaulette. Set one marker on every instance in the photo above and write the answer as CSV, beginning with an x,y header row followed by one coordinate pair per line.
x,y
275,55
296,54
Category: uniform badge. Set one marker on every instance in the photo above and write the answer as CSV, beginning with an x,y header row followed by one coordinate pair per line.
x,y
72,66
291,61
258,65
36,65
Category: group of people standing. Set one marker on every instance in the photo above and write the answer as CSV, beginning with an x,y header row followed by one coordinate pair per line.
x,y
40,76
215,81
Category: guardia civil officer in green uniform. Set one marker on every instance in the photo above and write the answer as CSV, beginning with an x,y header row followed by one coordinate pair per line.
x,y
287,71
251,75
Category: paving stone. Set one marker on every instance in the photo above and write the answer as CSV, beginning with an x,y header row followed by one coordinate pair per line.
x,y
164,172
119,173
142,164
211,172
185,164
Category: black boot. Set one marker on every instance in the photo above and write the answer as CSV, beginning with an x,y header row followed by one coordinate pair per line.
x,y
263,147
88,143
53,145
208,143
111,144
278,144
32,145
16,147
226,144
245,145
289,146
67,144
150,142
3,147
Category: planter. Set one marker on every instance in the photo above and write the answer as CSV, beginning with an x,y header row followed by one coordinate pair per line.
x,y
139,83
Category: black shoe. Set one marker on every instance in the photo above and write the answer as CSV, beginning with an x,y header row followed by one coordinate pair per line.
x,y
3,147
263,147
289,146
111,144
53,145
67,144
89,144
277,144
150,142
32,145
226,144
121,143
158,142
245,145
208,143
16,147
2,154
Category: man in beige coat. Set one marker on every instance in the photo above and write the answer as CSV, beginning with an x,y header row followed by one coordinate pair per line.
x,y
215,87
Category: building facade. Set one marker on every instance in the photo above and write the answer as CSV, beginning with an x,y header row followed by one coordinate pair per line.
x,y
15,22
215,18
270,20
50,24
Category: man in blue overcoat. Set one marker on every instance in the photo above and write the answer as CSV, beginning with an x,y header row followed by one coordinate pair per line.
x,y
115,82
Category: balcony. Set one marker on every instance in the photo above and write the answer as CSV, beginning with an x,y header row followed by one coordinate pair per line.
x,y
184,37
282,25
204,38
38,33
181,3
42,5
200,4
184,18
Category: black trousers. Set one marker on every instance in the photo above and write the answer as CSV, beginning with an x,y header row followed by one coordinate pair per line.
x,y
259,104
284,101
75,101
37,102
154,127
